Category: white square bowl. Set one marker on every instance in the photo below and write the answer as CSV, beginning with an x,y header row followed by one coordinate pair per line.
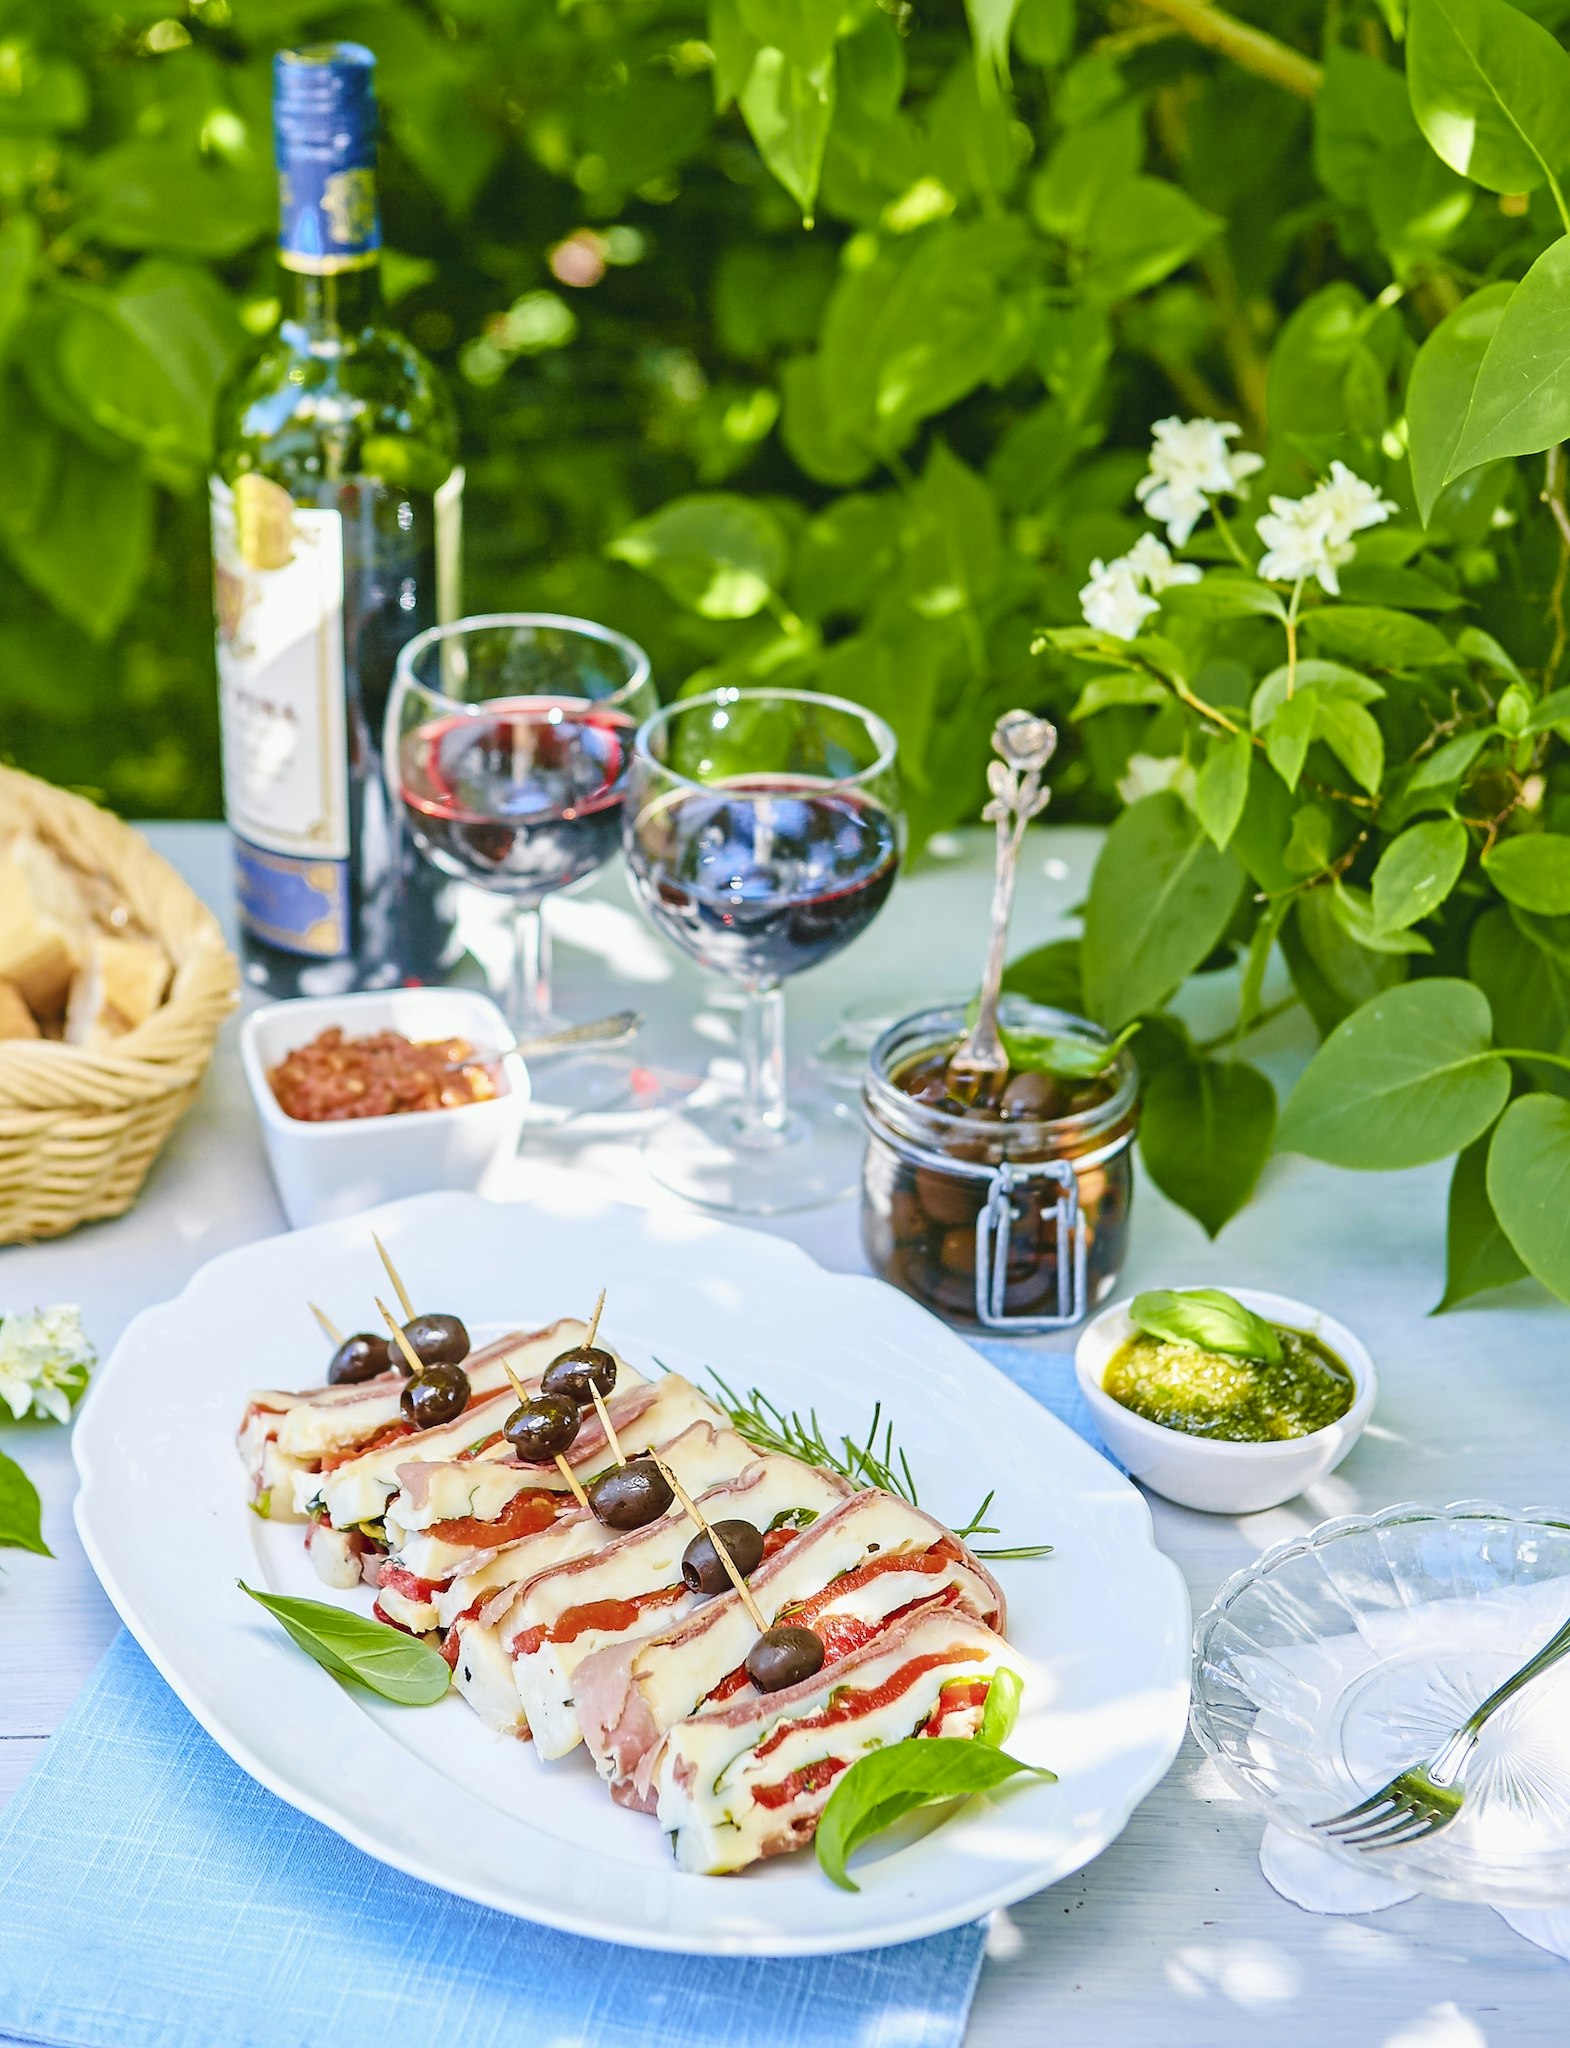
x,y
324,1171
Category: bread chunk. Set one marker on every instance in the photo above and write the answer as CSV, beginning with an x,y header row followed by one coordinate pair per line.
x,y
16,1019
120,986
44,931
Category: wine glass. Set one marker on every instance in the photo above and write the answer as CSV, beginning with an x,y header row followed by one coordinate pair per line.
x,y
507,744
763,834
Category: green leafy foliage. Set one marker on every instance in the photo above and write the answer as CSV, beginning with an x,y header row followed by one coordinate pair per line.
x,y
1478,1255
1529,1186
399,1667
1161,897
1205,1133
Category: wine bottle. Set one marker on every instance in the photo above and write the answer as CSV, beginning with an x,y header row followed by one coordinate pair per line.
x,y
336,506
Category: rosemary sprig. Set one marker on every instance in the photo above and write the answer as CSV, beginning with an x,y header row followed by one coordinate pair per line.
x,y
873,1460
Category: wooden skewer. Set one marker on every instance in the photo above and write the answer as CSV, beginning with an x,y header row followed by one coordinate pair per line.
x,y
562,1466
416,1365
330,1329
607,1425
395,1277
696,1515
594,1321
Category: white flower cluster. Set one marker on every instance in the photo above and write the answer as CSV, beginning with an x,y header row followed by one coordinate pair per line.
x,y
1114,600
1190,463
45,1359
1313,536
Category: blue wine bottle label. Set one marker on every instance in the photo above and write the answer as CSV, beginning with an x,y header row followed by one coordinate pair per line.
x,y
279,598
324,131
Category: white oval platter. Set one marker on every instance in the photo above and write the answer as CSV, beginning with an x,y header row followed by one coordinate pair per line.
x,y
1104,1621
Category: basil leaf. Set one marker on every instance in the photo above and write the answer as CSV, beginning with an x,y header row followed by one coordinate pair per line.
x,y
21,1519
1206,1317
1002,1708
886,1784
1062,1054
384,1660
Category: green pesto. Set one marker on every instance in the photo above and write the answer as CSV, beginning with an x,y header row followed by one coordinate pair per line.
x,y
1239,1400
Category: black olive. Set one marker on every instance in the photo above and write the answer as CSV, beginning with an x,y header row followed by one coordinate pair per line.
x,y
701,1566
358,1358
629,1495
544,1428
435,1340
575,1370
784,1656
438,1394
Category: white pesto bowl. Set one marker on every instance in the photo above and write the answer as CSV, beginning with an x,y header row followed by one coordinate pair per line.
x,y
326,1171
1204,1472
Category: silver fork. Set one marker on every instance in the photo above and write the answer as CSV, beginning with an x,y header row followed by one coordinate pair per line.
x,y
1426,1797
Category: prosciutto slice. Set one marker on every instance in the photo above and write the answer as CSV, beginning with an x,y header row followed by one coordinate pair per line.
x,y
871,1559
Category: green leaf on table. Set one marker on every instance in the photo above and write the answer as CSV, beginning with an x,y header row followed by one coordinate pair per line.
x,y
1206,1317
1478,1255
1221,789
21,1517
1160,899
1491,90
1521,400
1387,639
1532,869
1417,871
1439,390
1409,1078
1205,1132
1067,1056
719,554
1529,1185
886,1784
384,1660
1048,975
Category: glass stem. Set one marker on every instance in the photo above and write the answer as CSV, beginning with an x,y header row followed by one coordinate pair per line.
x,y
531,971
763,1048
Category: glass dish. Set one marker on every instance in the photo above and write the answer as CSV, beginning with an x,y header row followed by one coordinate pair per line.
x,y
938,1189
1342,1656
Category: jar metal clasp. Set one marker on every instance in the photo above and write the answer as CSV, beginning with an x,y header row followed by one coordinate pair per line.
x,y
993,1225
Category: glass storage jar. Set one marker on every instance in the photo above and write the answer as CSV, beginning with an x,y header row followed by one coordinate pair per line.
x,y
1010,1224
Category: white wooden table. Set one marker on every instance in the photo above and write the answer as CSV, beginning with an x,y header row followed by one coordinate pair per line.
x,y
1172,1937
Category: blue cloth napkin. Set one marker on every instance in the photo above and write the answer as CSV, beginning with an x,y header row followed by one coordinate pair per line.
x,y
1048,1377
154,1896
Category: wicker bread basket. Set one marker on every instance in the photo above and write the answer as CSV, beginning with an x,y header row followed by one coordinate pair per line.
x,y
80,1128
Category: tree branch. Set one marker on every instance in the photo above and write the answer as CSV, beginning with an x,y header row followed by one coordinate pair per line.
x,y
1249,47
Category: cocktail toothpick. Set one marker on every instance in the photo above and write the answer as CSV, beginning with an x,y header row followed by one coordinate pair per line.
x,y
395,1277
594,1322
562,1466
607,1425
416,1364
330,1329
696,1515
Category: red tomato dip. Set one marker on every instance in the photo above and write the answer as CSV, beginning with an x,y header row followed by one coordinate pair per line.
x,y
383,1074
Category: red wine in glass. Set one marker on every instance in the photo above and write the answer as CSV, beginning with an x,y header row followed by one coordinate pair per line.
x,y
763,876
521,795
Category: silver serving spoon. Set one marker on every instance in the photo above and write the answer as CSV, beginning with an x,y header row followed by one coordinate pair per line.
x,y
616,1029
1024,745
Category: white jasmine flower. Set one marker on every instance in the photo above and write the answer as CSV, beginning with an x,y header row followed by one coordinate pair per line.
x,y
1153,565
1350,504
1112,600
44,1362
1313,535
1190,464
